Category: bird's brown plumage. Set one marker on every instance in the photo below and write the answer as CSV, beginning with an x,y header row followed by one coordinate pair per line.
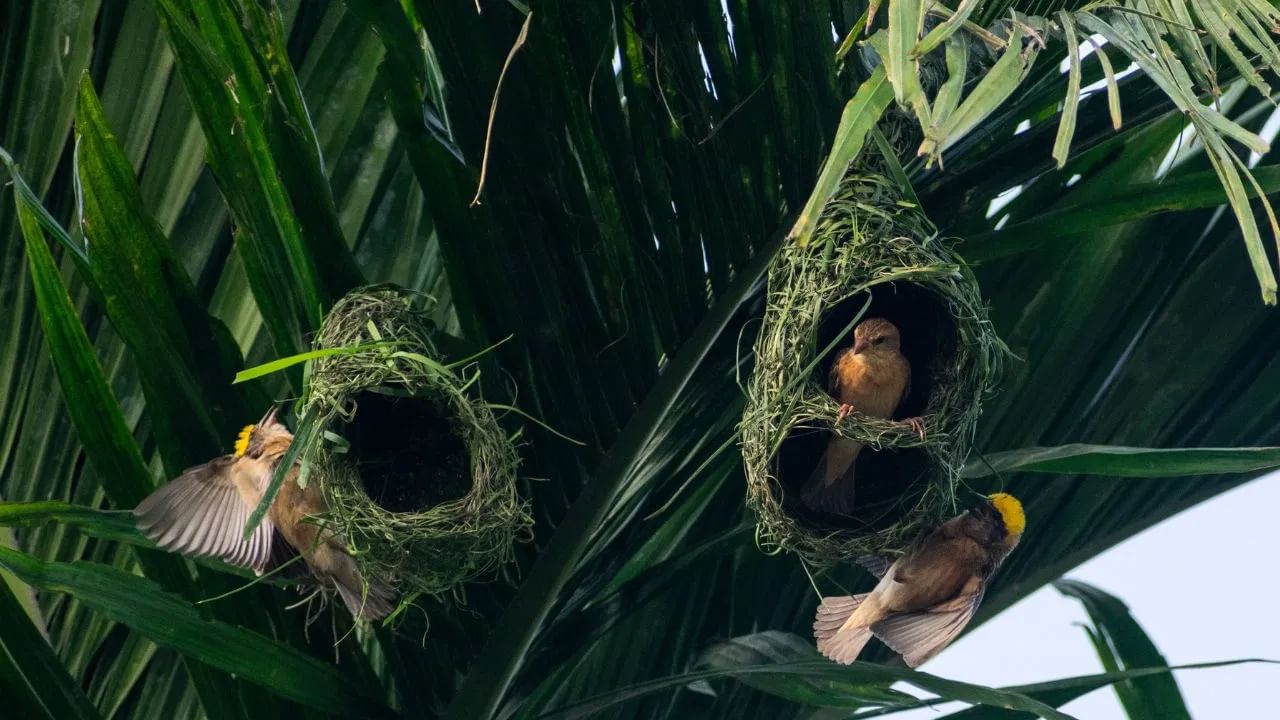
x,y
871,377
203,513
926,597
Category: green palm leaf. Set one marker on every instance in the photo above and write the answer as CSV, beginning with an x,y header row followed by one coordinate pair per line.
x,y
241,164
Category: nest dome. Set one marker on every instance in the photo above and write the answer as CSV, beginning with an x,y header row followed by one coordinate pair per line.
x,y
419,476
872,255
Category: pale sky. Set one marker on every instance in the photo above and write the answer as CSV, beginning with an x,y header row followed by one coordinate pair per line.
x,y
1167,577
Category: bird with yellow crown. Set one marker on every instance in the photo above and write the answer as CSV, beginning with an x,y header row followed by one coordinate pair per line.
x,y
929,594
203,512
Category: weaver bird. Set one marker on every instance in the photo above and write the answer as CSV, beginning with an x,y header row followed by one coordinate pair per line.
x,y
872,377
927,596
204,510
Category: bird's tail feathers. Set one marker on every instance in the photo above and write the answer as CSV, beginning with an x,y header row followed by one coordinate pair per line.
x,y
365,603
830,487
834,640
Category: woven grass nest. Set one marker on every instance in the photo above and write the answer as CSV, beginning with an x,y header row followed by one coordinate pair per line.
x,y
419,477
872,255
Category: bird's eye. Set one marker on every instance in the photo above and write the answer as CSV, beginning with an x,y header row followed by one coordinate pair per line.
x,y
877,341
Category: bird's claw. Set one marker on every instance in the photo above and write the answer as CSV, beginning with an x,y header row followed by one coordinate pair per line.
x,y
845,409
916,424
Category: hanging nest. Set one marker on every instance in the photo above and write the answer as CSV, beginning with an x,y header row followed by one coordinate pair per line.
x,y
872,255
419,477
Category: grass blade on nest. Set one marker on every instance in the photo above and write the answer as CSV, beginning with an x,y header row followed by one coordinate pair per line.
x,y
267,368
860,115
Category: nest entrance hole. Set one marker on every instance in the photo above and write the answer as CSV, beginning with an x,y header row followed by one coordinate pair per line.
x,y
406,451
927,329
888,483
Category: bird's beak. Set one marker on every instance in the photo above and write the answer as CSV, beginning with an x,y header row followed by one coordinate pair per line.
x,y
270,416
859,346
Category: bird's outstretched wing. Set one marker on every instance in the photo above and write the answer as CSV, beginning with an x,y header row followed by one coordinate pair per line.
x,y
203,513
919,636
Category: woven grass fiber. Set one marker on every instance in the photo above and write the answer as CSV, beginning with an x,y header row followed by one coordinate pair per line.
x,y
423,483
872,255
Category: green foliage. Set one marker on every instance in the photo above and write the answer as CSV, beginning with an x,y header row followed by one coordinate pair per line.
x,y
36,684
184,358
167,620
1115,461
1122,644
859,117
241,165
788,666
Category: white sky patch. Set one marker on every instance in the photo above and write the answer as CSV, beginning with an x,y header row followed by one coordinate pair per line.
x,y
1000,201
617,60
1180,147
1101,84
1084,51
1073,180
706,72
1004,220
728,26
1023,126
1269,130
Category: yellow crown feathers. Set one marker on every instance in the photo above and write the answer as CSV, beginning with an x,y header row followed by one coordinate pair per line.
x,y
242,441
1015,521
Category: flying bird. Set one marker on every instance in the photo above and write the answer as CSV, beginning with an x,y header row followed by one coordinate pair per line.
x,y
872,377
927,596
203,512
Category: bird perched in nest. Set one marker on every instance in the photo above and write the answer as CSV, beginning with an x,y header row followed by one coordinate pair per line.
x,y
203,512
927,596
872,377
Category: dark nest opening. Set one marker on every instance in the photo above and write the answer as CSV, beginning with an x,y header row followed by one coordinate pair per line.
x,y
872,255
419,477
928,336
406,451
